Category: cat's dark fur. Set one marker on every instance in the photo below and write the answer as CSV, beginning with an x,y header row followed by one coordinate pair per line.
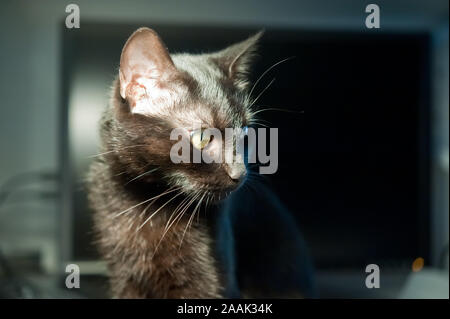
x,y
154,93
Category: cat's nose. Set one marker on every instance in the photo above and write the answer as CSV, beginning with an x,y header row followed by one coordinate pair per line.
x,y
236,171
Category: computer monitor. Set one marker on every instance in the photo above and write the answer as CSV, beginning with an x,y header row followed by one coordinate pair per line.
x,y
354,139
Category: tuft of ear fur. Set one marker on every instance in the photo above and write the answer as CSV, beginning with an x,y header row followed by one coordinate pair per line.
x,y
145,69
235,60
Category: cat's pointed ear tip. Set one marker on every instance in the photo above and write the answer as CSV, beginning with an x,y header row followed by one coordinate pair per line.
x,y
255,38
258,35
143,31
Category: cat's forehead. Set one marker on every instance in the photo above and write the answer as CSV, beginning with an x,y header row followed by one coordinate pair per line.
x,y
209,98
207,77
199,66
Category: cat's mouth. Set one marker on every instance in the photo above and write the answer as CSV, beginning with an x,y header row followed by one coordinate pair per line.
x,y
213,186
216,195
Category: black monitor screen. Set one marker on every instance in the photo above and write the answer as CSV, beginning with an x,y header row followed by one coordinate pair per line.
x,y
353,131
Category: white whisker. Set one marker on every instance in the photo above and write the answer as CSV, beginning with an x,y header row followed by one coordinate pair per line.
x,y
178,217
191,218
262,92
156,211
170,190
265,72
117,150
143,174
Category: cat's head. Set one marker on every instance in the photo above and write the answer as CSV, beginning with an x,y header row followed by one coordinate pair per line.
x,y
157,92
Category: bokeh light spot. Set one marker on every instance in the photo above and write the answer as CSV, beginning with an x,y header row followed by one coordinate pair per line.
x,y
418,264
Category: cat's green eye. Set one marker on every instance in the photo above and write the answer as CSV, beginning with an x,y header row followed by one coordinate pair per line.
x,y
200,138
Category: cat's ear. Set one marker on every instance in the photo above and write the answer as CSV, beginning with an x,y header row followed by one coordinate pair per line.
x,y
145,65
235,61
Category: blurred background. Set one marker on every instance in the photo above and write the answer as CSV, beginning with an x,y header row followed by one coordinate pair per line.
x,y
363,160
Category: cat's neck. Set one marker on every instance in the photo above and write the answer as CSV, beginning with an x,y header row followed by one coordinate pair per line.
x,y
154,246
155,260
